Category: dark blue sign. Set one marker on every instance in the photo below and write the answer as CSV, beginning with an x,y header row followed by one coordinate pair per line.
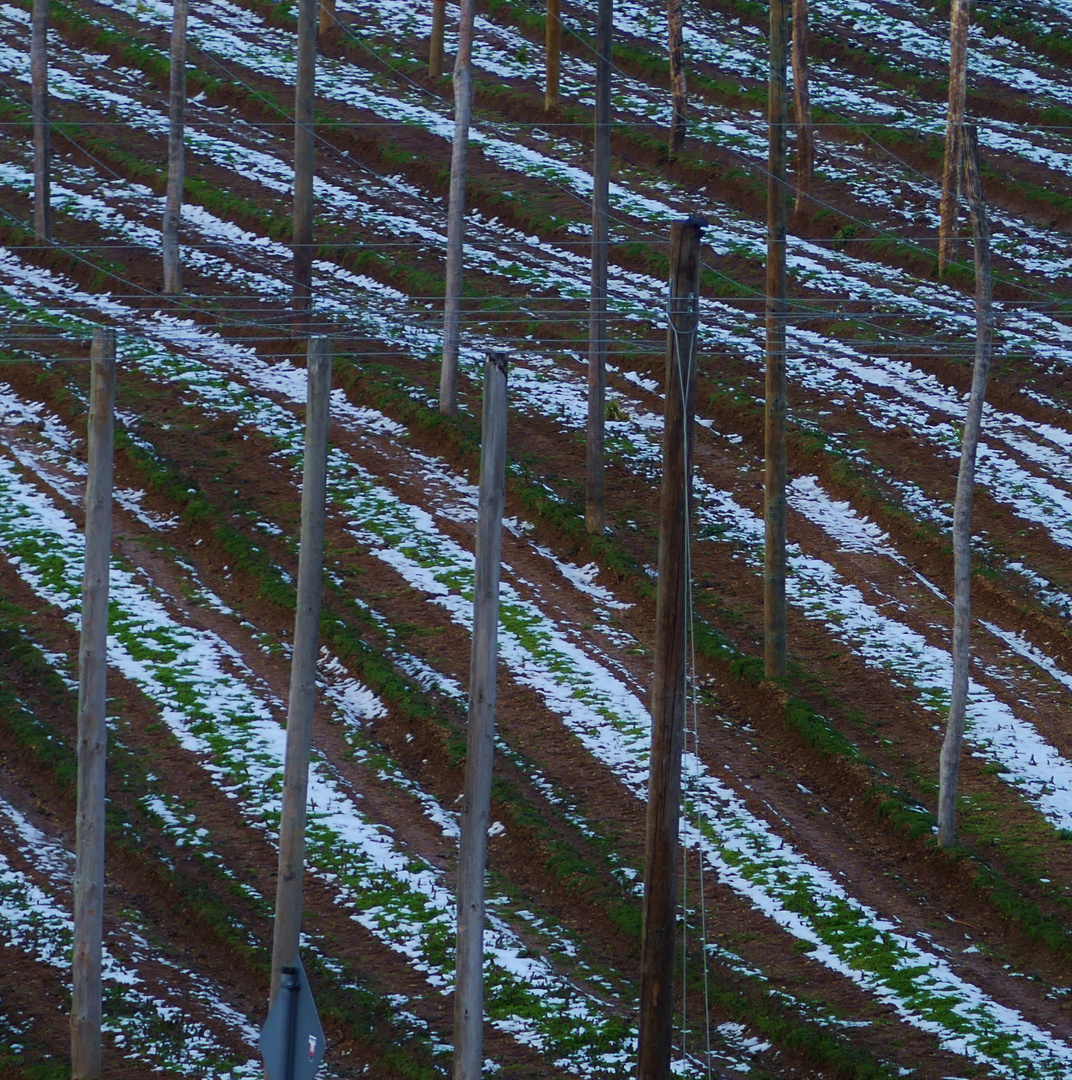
x,y
292,1040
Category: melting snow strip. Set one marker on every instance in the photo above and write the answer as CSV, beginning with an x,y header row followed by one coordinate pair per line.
x,y
612,723
401,900
159,1031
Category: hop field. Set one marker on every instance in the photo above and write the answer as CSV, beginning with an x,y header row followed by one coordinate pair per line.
x,y
823,930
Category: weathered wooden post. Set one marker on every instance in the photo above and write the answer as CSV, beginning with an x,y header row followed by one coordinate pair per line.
x,y
452,298
597,316
802,105
479,760
668,692
949,764
41,133
92,727
553,52
304,158
176,151
329,22
288,897
958,91
435,43
774,650
675,22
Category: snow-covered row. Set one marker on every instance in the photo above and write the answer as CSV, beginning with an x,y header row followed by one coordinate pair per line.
x,y
924,390
1035,766
503,51
229,724
354,705
431,119
819,361
917,36
610,720
1035,498
613,725
182,1024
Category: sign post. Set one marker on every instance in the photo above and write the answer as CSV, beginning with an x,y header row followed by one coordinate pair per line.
x,y
292,1039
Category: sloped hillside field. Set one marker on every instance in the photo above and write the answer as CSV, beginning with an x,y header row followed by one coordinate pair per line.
x,y
824,934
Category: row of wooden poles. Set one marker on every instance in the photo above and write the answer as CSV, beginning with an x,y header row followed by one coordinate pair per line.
x,y
669,685
86,1004
668,697
314,14
320,14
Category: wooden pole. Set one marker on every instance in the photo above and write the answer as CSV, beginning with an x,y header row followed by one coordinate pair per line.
x,y
678,92
435,44
329,22
958,90
288,897
41,133
304,158
949,764
92,728
176,151
775,474
802,106
553,52
479,760
597,316
668,686
452,301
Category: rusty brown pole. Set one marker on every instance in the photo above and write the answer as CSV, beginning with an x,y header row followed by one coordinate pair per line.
x,y
304,163
435,43
668,686
41,132
329,24
951,168
553,52
678,92
802,105
774,632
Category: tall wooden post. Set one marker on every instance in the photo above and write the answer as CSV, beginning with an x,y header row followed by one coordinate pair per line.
x,y
92,729
775,474
452,299
176,151
802,105
668,686
949,764
951,168
469,984
597,317
329,22
304,157
435,43
553,52
675,23
41,134
288,897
